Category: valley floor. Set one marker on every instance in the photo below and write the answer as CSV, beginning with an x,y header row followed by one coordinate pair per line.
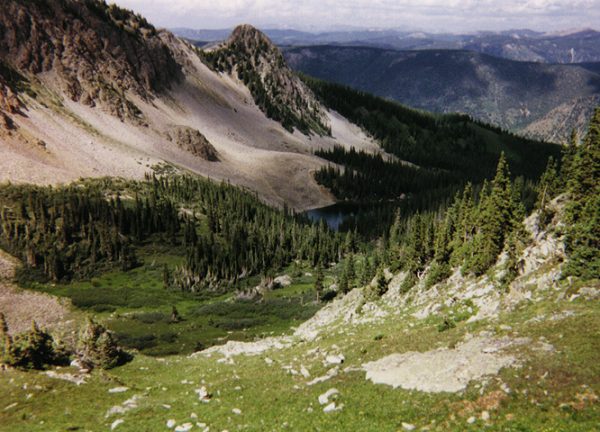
x,y
543,335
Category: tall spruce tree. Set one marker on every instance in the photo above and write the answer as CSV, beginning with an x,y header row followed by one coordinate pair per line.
x,y
583,211
319,278
497,218
547,189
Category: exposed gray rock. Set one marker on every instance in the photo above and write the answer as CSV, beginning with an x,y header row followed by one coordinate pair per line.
x,y
192,141
443,370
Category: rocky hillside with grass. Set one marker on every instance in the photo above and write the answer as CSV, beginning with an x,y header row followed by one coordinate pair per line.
x,y
255,60
463,354
539,100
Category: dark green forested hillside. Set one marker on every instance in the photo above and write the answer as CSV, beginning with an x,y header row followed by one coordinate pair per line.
x,y
224,233
478,226
444,151
449,142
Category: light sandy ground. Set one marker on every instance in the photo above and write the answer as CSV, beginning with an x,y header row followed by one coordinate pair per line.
x,y
443,370
255,152
234,348
20,307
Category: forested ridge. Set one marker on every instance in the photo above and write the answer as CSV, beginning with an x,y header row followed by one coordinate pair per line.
x,y
224,232
450,148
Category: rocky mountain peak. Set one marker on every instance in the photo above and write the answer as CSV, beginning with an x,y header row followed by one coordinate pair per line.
x,y
279,93
250,37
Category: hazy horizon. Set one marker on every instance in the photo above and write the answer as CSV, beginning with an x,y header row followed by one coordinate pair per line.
x,y
436,16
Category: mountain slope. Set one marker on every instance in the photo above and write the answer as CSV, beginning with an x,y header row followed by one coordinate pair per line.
x,y
510,94
251,56
89,89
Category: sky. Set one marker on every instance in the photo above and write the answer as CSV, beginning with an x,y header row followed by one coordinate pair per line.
x,y
319,15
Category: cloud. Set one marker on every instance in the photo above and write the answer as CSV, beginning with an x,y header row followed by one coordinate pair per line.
x,y
433,15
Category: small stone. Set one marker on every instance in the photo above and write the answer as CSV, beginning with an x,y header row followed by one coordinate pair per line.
x,y
118,390
236,411
77,364
485,415
305,373
116,424
331,407
335,359
324,398
203,394
471,420
408,426
171,423
184,427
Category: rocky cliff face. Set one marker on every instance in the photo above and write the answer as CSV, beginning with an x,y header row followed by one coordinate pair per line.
x,y
98,52
9,104
281,95
192,141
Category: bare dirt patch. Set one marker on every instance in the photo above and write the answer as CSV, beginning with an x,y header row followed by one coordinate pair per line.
x,y
20,306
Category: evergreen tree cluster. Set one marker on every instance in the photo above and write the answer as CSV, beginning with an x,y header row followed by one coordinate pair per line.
x,y
455,142
471,233
34,349
37,349
578,177
368,177
66,231
581,172
224,233
448,151
97,348
234,235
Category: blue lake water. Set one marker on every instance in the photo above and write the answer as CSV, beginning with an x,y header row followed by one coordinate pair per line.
x,y
334,215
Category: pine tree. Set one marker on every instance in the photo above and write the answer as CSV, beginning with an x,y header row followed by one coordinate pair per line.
x,y
381,284
97,348
546,190
166,277
568,155
175,317
497,218
319,278
6,345
34,349
583,211
366,274
348,275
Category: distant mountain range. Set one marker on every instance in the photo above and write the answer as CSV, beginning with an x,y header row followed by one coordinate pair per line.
x,y
524,45
536,99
